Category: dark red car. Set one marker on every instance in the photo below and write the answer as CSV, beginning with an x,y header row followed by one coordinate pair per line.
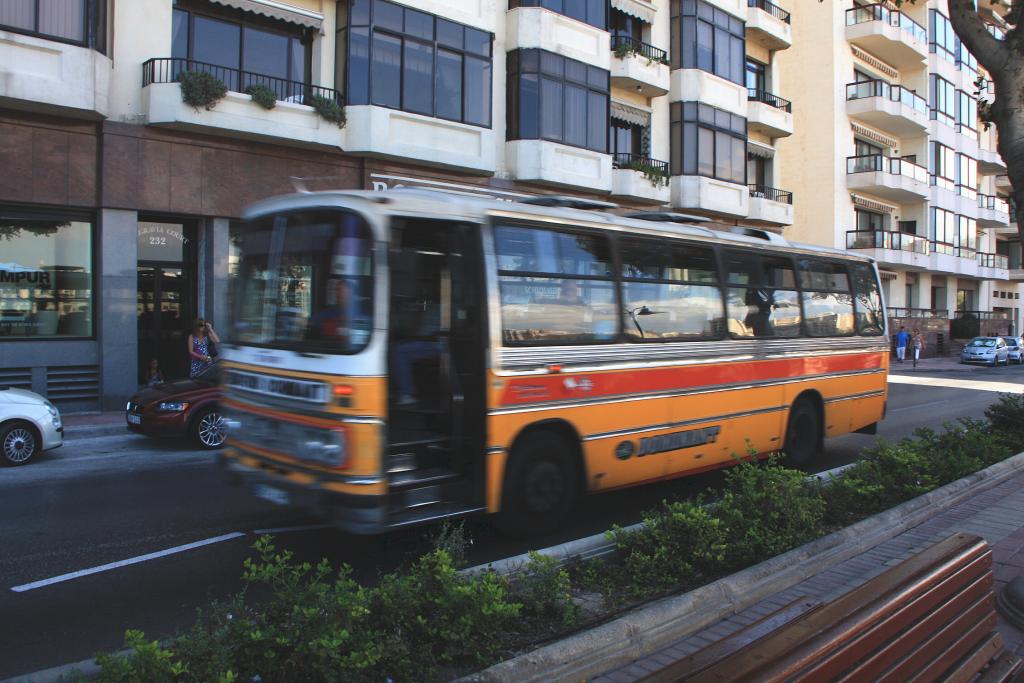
x,y
186,407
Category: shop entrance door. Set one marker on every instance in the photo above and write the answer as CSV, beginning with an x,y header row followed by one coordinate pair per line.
x,y
166,297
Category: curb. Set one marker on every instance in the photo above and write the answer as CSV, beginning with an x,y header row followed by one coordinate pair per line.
x,y
648,629
86,669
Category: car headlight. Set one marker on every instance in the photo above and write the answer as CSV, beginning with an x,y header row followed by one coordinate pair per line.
x,y
172,407
54,414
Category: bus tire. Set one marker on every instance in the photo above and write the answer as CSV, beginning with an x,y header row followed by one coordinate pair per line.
x,y
541,485
803,433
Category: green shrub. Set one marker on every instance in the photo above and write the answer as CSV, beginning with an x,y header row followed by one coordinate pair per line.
x,y
886,475
145,661
201,89
451,537
1006,417
262,95
545,591
329,110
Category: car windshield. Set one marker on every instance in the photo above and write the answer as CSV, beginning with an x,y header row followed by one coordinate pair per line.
x,y
306,283
982,342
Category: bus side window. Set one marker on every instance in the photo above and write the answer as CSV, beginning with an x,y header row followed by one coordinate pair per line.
x,y
828,303
867,300
762,297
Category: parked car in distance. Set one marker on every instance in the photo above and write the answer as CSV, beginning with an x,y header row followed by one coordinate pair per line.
x,y
29,424
988,350
185,407
1015,350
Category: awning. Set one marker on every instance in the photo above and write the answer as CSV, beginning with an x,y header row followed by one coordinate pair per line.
x,y
871,204
875,136
630,114
887,275
641,9
278,10
759,150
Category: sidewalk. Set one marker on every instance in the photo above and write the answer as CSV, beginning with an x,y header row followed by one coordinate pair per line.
x,y
996,514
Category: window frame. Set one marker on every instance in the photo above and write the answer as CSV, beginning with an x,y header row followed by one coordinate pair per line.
x,y
94,27
679,120
845,265
686,18
589,4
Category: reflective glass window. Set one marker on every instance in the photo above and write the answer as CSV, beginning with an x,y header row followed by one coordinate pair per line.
x,y
867,301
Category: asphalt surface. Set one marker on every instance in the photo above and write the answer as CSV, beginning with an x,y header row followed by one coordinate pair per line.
x,y
107,500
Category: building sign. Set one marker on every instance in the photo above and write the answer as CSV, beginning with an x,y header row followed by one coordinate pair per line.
x,y
162,241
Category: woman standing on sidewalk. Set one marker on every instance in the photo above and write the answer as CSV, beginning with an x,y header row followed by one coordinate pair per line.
x,y
917,344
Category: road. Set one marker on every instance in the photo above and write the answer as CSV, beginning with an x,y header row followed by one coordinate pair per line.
x,y
110,500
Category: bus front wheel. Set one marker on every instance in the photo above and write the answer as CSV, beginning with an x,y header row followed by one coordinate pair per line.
x,y
540,485
803,433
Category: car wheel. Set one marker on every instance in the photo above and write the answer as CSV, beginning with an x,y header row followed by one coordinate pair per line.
x,y
209,430
540,485
18,443
803,434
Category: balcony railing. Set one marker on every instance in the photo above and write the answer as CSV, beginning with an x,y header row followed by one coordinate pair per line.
x,y
770,8
951,250
867,163
772,193
982,315
765,97
879,12
886,239
918,313
986,260
966,191
623,46
993,203
169,69
859,90
637,162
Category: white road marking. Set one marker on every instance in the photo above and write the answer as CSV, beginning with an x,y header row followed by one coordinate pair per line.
x,y
123,563
920,405
977,385
287,529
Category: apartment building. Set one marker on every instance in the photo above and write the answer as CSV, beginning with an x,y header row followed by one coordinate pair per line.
x,y
892,161
120,202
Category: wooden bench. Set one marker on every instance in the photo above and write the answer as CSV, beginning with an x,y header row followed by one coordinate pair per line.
x,y
929,618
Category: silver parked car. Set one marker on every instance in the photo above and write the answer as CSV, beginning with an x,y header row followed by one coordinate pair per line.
x,y
29,424
988,350
1015,350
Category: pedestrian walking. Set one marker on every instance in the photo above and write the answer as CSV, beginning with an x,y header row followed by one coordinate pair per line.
x,y
199,350
902,339
917,345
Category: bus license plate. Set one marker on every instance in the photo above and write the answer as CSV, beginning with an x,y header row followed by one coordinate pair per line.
x,y
276,496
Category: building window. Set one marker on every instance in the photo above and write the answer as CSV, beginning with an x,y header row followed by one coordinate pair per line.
x,y
709,39
405,59
593,12
943,165
709,142
869,221
626,138
80,22
626,26
757,80
942,96
966,176
757,170
967,114
46,276
249,49
555,98
943,39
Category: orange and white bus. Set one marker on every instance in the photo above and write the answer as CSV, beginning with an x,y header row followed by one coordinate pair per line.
x,y
411,355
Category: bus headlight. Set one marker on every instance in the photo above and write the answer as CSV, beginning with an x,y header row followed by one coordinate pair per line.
x,y
327,447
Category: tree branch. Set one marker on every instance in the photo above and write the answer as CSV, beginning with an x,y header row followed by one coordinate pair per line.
x,y
989,50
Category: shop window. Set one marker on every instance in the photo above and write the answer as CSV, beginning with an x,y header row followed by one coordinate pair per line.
x,y
401,58
709,142
46,277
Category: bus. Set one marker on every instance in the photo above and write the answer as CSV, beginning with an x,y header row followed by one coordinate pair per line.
x,y
406,356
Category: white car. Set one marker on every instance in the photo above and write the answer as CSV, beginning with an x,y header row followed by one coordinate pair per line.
x,y
29,424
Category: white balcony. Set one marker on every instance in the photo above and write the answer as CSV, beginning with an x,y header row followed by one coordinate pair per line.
x,y
389,133
536,27
51,77
639,67
993,266
769,114
238,116
945,259
556,164
896,249
710,195
888,34
889,108
640,179
768,25
990,162
1016,274
887,178
993,212
688,85
770,205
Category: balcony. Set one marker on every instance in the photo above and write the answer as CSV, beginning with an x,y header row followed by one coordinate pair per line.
x,y
528,27
640,178
237,115
891,108
888,34
952,259
887,177
990,162
768,25
710,195
936,313
891,248
770,205
982,315
993,266
769,114
993,212
688,85
639,67
553,163
49,76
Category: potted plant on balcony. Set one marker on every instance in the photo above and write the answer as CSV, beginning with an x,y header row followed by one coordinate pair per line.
x,y
262,95
201,89
328,109
655,174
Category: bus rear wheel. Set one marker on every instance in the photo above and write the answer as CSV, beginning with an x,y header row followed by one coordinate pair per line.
x,y
540,485
803,433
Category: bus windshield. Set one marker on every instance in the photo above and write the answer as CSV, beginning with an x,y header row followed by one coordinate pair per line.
x,y
305,283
